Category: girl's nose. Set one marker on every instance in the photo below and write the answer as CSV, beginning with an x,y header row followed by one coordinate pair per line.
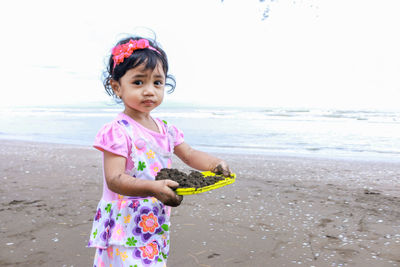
x,y
148,90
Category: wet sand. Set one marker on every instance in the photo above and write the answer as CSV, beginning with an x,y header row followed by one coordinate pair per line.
x,y
281,211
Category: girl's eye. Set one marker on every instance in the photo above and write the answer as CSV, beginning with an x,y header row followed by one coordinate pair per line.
x,y
159,83
138,82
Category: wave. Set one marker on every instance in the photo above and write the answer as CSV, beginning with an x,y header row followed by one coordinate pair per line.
x,y
276,130
394,154
227,113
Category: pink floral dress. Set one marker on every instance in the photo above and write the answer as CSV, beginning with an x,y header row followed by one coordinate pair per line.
x,y
129,231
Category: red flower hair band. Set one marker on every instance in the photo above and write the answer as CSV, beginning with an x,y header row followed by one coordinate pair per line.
x,y
122,51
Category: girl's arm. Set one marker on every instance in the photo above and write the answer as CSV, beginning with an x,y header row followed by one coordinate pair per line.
x,y
201,160
121,183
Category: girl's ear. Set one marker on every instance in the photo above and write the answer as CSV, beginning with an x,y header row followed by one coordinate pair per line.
x,y
115,87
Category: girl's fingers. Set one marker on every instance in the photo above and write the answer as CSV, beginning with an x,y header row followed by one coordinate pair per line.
x,y
174,202
227,172
222,168
171,184
166,194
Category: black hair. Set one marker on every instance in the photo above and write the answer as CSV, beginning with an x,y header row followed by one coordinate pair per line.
x,y
145,56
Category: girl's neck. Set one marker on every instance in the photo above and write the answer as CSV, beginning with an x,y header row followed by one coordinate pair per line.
x,y
143,118
137,115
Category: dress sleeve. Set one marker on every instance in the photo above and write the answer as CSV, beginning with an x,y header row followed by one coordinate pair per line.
x,y
178,134
112,138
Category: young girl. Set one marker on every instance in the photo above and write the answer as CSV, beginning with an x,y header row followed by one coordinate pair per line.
x,y
131,225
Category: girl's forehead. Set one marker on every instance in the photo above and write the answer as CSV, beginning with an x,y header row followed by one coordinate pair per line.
x,y
158,70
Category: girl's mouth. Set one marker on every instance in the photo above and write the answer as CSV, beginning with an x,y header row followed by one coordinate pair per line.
x,y
148,102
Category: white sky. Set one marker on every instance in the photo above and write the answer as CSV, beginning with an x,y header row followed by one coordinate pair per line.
x,y
309,53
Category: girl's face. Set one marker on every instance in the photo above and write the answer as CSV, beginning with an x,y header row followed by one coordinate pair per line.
x,y
141,90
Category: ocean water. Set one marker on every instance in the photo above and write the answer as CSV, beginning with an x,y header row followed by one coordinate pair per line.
x,y
354,134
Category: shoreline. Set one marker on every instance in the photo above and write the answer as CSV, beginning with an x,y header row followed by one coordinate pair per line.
x,y
281,211
236,152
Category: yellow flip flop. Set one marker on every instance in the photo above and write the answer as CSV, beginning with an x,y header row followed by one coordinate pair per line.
x,y
192,190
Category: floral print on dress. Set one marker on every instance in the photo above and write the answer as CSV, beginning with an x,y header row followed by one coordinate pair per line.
x,y
134,205
146,217
138,223
118,233
110,253
123,255
149,223
141,166
148,254
97,217
100,262
108,226
150,154
140,146
132,230
155,168
122,203
127,219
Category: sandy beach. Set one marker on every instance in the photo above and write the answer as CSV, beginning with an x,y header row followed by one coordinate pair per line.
x,y
281,211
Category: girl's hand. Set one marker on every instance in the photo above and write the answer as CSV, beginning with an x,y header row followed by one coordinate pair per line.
x,y
164,193
222,168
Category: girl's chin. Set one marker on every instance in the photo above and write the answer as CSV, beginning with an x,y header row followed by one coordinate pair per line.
x,y
141,109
